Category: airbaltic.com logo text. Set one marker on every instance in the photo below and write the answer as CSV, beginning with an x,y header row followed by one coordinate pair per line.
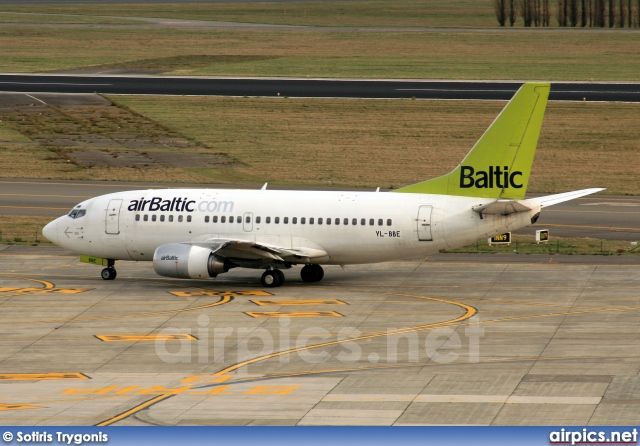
x,y
179,204
590,436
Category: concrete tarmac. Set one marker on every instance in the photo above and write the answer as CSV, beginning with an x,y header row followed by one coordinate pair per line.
x,y
462,339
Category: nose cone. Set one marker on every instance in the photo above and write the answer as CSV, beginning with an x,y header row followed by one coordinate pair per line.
x,y
51,231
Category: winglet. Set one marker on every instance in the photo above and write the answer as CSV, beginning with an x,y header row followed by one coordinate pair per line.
x,y
499,165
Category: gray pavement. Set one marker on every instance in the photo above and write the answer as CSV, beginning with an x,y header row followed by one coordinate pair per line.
x,y
461,341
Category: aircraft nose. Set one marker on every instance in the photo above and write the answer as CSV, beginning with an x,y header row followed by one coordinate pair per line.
x,y
50,231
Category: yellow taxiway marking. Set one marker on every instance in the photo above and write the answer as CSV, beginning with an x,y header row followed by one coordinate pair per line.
x,y
149,337
300,302
17,407
33,290
40,376
212,293
263,314
135,409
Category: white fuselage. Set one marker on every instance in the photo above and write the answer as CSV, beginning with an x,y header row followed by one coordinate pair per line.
x,y
365,227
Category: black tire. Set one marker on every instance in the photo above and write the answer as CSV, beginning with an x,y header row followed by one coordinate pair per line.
x,y
271,279
311,273
280,276
108,274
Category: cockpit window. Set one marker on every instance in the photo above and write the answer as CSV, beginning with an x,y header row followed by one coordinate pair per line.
x,y
77,213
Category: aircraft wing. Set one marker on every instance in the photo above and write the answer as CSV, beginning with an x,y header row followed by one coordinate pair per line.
x,y
250,250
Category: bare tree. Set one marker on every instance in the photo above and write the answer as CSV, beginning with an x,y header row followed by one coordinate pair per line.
x,y
513,12
573,12
612,13
562,12
501,11
526,10
583,15
622,15
546,13
598,13
630,13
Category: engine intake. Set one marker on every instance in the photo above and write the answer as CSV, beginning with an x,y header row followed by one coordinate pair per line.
x,y
184,261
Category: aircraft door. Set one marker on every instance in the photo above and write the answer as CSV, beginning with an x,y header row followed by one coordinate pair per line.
x,y
247,222
112,221
424,223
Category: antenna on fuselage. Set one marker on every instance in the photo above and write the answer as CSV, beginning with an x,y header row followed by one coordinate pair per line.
x,y
264,187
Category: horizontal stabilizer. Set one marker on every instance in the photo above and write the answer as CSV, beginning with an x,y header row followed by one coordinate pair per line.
x,y
550,200
502,207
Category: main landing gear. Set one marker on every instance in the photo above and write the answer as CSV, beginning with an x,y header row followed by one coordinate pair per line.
x,y
311,273
272,278
109,273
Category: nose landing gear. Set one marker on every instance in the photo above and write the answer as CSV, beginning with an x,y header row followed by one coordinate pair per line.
x,y
109,273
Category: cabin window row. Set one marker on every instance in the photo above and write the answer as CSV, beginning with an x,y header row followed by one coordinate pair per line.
x,y
161,218
301,220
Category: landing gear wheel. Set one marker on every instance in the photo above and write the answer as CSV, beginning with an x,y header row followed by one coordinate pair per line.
x,y
280,276
109,273
272,278
311,273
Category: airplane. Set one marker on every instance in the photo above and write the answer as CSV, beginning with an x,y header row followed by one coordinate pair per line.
x,y
201,233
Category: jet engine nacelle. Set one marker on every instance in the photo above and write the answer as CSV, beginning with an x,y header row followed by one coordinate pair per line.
x,y
187,262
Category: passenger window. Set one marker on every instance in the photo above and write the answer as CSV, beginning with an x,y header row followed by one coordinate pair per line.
x,y
389,222
162,217
215,219
223,219
239,219
189,218
371,222
180,217
153,218
146,217
206,219
354,221
294,220
328,221
363,221
137,217
379,222
286,220
231,219
277,220
247,219
311,220
303,220
320,221
268,219
170,218
345,221
258,219
337,221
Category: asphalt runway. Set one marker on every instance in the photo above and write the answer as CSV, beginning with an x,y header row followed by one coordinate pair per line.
x,y
600,216
308,88
455,342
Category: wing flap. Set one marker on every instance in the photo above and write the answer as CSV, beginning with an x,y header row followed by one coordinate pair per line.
x,y
245,249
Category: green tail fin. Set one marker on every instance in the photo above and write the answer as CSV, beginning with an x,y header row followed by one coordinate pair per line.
x,y
499,165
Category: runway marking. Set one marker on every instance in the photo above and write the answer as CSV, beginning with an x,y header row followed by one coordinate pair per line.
x,y
611,228
213,293
17,407
34,207
41,376
33,290
266,314
300,302
150,337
